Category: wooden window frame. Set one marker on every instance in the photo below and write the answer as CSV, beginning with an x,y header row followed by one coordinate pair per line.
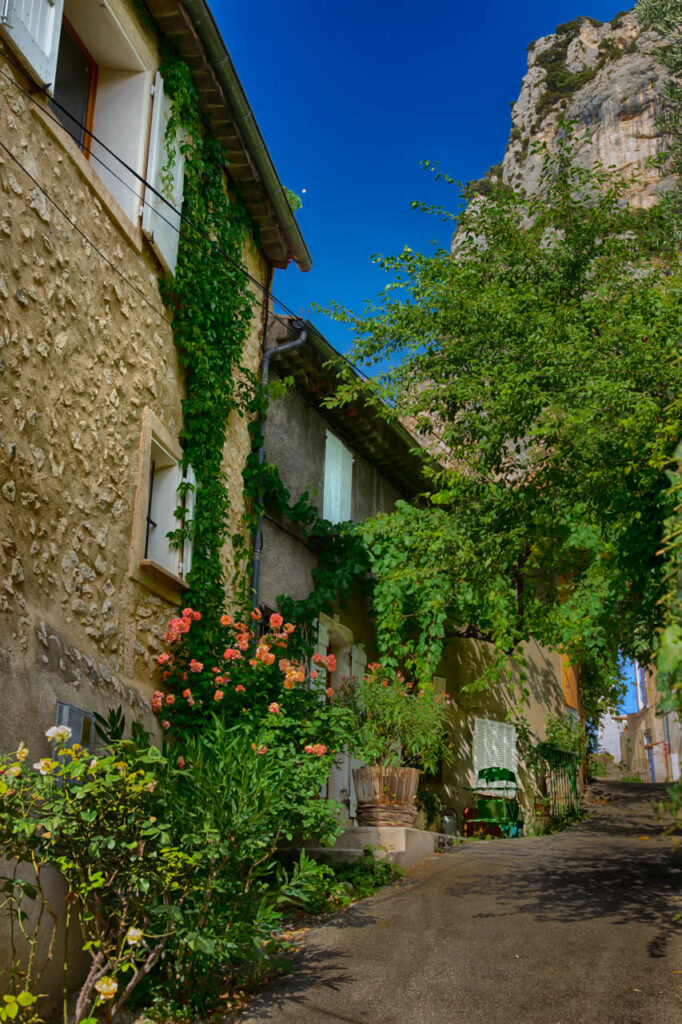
x,y
90,113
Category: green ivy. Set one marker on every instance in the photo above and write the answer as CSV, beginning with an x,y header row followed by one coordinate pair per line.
x,y
212,313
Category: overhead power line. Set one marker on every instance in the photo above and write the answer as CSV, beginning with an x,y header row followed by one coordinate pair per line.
x,y
83,235
149,188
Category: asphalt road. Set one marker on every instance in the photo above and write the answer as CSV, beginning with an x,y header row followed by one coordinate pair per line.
x,y
567,929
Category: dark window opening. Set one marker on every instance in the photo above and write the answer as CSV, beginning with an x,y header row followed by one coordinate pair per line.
x,y
74,87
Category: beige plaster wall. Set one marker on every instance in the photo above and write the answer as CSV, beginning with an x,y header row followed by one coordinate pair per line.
x,y
83,359
463,660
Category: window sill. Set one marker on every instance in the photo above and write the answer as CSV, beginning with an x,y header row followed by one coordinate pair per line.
x,y
132,232
170,579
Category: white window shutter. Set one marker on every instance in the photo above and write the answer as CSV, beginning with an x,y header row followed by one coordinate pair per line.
x,y
494,745
33,27
190,502
161,223
358,661
338,480
165,500
346,485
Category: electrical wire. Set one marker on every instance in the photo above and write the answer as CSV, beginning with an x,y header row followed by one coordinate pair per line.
x,y
84,236
142,180
267,294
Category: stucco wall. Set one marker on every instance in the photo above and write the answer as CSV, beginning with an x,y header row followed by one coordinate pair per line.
x,y
82,358
462,662
295,443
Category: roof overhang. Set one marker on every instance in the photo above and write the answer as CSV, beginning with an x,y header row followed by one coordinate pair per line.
x,y
191,27
314,368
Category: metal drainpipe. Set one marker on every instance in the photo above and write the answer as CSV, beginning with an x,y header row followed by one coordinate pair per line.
x,y
268,355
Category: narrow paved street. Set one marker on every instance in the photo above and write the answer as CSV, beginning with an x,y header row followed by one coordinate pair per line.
x,y
573,928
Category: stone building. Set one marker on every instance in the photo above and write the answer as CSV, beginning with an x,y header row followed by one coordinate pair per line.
x,y
91,388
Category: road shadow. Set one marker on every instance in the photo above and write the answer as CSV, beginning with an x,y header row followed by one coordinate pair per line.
x,y
312,967
613,867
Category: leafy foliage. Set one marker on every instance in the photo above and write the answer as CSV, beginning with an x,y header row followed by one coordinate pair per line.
x,y
212,316
367,874
170,864
536,360
666,16
565,732
393,722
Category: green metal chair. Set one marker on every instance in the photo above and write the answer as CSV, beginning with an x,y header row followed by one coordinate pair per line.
x,y
496,803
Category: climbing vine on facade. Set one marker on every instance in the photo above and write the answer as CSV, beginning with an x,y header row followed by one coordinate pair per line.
x,y
212,313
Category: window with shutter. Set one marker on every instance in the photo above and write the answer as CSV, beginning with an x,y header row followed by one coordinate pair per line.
x,y
161,223
166,496
32,28
494,745
338,480
81,723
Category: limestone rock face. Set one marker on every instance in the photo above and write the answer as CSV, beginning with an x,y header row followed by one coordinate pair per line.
x,y
607,78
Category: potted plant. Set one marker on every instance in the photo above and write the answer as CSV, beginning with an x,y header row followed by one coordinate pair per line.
x,y
397,729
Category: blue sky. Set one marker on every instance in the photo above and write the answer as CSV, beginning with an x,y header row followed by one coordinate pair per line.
x,y
351,96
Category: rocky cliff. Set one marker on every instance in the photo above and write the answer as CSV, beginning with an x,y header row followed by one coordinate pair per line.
x,y
605,76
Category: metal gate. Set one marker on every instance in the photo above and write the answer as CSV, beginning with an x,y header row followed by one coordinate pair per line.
x,y
562,782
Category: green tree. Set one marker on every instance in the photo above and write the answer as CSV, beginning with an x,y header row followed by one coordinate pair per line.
x,y
666,16
535,359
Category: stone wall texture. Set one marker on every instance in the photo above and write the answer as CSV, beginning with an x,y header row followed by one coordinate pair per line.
x,y
83,354
616,110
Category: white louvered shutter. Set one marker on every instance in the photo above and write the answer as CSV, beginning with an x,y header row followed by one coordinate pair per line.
x,y
190,503
358,661
161,223
338,480
32,27
165,500
494,745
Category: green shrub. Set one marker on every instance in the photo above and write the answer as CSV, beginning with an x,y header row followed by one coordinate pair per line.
x,y
367,874
393,722
565,732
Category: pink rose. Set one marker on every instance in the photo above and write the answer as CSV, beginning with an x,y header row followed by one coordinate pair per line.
x,y
218,695
196,666
274,708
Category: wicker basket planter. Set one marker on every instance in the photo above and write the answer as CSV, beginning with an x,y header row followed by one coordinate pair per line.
x,y
386,796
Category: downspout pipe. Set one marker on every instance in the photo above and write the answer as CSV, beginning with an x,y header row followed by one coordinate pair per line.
x,y
268,355
243,117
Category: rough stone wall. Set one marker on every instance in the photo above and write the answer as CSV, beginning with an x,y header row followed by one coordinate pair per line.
x,y
616,108
81,357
